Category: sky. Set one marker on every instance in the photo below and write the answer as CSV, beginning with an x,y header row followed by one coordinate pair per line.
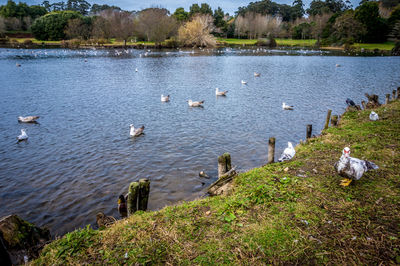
x,y
229,6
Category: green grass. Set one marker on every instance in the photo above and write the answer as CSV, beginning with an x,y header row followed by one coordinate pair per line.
x,y
387,46
284,213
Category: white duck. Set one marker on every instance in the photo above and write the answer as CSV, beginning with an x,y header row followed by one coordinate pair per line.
x,y
164,98
352,168
136,131
257,74
288,153
220,93
27,119
136,70
287,107
23,135
195,104
244,82
373,116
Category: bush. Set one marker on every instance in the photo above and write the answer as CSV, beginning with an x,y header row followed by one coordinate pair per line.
x,y
52,26
270,42
396,48
171,43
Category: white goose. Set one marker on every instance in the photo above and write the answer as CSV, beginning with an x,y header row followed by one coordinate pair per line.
x,y
287,107
27,119
352,168
373,116
288,153
220,93
244,82
23,135
195,104
164,98
136,131
257,74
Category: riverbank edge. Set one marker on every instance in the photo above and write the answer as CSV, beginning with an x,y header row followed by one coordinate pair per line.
x,y
350,50
293,212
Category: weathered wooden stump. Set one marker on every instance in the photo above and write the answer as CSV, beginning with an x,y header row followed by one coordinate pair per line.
x,y
144,191
328,117
133,197
334,120
223,184
224,164
373,101
271,150
387,98
20,240
308,131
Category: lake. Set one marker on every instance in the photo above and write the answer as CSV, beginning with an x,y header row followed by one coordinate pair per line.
x,y
79,158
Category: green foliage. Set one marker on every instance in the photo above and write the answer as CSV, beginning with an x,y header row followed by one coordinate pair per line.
x,y
181,15
319,7
80,6
376,27
95,9
11,9
53,25
302,31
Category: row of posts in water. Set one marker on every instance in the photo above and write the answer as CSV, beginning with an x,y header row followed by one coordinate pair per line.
x,y
138,195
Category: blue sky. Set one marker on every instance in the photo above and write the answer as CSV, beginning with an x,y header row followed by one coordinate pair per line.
x,y
229,6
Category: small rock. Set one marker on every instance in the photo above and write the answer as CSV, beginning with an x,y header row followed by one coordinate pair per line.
x,y
315,170
304,222
369,239
354,238
329,222
286,169
208,213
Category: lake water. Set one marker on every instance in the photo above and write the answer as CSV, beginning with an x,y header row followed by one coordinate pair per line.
x,y
79,157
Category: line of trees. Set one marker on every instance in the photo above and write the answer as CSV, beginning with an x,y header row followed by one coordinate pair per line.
x,y
328,21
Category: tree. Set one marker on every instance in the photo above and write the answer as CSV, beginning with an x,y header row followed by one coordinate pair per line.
x,y
101,28
79,28
156,25
181,15
194,10
319,7
197,32
376,27
121,23
297,10
52,26
205,9
302,31
319,22
81,6
348,29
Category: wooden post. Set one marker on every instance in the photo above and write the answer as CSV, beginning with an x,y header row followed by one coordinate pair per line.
x,y
363,105
224,164
271,150
334,120
144,191
309,131
132,197
387,98
328,117
393,95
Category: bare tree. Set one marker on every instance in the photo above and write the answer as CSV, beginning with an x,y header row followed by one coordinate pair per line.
x,y
320,22
77,28
156,24
101,28
121,23
197,32
256,25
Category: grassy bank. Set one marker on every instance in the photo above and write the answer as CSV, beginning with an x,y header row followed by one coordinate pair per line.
x,y
284,213
387,46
